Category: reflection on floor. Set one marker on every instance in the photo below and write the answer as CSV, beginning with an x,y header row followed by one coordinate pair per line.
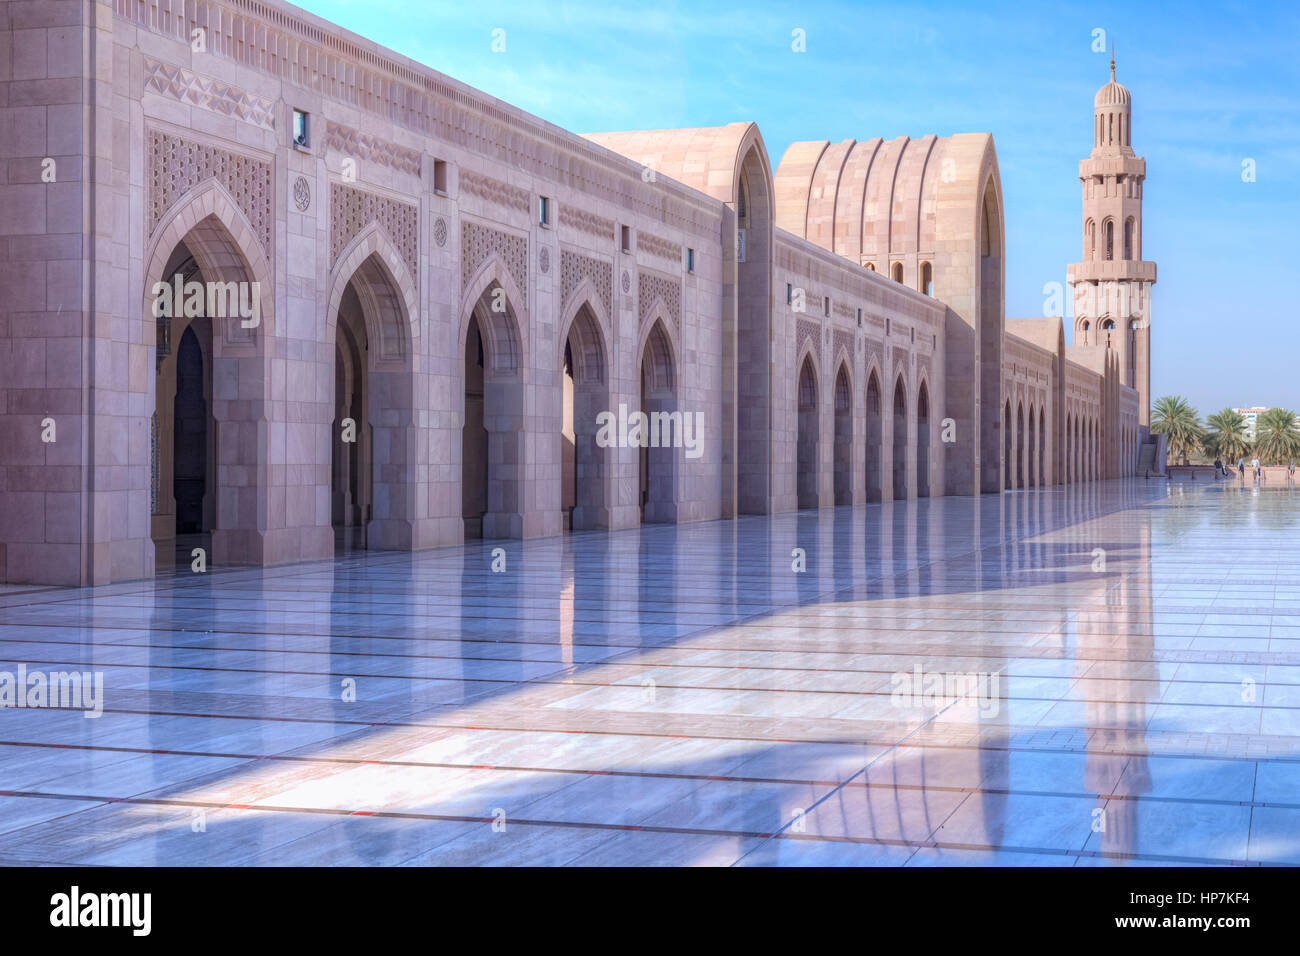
x,y
1092,676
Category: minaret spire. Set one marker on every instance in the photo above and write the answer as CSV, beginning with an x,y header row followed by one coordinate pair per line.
x,y
1112,63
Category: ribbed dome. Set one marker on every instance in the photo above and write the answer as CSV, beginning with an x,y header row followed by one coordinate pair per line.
x,y
1112,94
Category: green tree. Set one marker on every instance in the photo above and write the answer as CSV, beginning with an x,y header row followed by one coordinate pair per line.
x,y
1174,417
1277,439
1226,437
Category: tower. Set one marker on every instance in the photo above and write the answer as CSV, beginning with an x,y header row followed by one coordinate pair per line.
x,y
1112,285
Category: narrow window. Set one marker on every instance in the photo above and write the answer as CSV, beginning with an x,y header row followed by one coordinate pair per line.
x,y
927,279
789,293
626,233
898,272
826,306
301,130
690,260
440,176
859,318
544,212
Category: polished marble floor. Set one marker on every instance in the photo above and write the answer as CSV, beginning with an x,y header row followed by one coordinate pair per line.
x,y
1118,669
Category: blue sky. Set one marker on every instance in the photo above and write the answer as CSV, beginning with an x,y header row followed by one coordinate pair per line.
x,y
1213,85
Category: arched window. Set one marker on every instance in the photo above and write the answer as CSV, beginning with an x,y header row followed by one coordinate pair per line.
x,y
1090,237
1128,238
898,272
927,279
1108,326
1108,239
871,266
1084,328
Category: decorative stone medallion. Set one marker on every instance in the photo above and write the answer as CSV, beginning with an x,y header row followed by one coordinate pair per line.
x,y
627,282
544,259
440,231
301,193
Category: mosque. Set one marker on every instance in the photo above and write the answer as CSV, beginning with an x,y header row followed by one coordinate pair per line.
x,y
440,296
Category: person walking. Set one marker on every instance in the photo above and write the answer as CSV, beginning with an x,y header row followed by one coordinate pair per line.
x,y
1254,463
1290,471
1241,467
1218,469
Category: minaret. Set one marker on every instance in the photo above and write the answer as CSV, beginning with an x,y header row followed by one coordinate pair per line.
x,y
1112,285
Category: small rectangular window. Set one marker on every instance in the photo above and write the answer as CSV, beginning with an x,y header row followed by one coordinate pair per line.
x,y
887,323
690,260
826,306
789,293
859,318
301,130
440,176
626,238
543,211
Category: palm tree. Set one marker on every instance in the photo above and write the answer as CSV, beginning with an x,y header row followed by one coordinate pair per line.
x,y
1277,439
1226,438
1175,418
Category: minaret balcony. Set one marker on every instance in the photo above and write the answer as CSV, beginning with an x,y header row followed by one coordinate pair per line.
x,y
1112,165
1108,270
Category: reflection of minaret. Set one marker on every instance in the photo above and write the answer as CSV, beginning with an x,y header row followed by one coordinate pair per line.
x,y
1117,692
1112,285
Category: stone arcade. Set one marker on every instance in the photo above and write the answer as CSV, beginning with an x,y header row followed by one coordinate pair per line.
x,y
473,288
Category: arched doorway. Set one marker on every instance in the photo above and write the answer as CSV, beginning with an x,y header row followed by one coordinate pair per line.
x,y
658,462
754,210
923,442
1031,445
1020,445
584,464
492,435
843,450
900,441
1042,444
373,435
183,487
1008,473
809,428
350,434
873,439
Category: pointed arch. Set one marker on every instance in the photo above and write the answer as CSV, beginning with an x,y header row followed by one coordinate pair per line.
x,y
658,465
808,448
923,438
503,329
390,297
842,448
900,438
873,432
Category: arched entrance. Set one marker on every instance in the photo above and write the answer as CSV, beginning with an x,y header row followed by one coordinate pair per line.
x,y
584,464
809,427
373,438
1007,470
1031,444
658,461
843,450
874,438
492,434
753,313
900,441
1020,445
923,442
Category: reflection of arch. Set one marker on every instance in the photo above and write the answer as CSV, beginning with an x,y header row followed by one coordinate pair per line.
x,y
1031,450
392,315
658,465
809,425
874,433
923,440
900,440
843,447
1042,444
